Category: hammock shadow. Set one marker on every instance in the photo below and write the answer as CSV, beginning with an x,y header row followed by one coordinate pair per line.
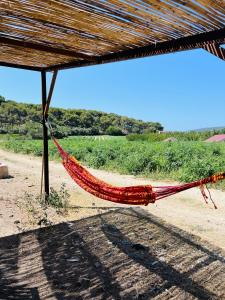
x,y
120,254
80,267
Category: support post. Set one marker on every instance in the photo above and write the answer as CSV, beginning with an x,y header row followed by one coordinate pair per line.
x,y
45,134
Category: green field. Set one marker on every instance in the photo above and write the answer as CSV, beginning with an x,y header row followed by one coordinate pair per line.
x,y
183,161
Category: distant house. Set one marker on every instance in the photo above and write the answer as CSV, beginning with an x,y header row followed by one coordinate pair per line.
x,y
216,138
170,139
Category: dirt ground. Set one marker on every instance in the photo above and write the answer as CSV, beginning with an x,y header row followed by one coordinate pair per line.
x,y
99,250
122,254
186,210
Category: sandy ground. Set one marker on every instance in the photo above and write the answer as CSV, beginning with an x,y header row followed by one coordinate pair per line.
x,y
186,210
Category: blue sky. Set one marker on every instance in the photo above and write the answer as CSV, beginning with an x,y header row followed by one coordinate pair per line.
x,y
182,91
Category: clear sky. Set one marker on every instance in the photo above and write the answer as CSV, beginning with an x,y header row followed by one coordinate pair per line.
x,y
182,91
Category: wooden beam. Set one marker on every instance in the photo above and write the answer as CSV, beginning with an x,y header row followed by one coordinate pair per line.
x,y
181,44
30,68
45,48
216,50
54,76
45,134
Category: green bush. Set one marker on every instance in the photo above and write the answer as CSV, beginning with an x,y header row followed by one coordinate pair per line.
x,y
58,199
113,130
180,136
184,161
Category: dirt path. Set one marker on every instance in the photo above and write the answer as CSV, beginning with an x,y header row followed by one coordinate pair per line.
x,y
186,210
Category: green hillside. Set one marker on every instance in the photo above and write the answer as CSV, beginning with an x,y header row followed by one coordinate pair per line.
x,y
25,119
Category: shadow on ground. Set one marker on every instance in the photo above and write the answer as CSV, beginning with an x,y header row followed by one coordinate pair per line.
x,y
121,254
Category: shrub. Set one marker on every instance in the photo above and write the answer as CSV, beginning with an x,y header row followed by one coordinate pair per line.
x,y
136,164
185,161
180,136
96,161
197,169
58,199
113,130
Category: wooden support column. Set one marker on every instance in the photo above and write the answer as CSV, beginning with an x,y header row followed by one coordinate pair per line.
x,y
45,134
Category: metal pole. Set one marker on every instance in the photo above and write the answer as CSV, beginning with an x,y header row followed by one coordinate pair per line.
x,y
45,134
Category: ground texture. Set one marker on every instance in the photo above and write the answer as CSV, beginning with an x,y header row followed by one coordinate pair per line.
x,y
100,251
121,254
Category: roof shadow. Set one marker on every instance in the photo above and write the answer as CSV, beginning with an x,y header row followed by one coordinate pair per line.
x,y
122,254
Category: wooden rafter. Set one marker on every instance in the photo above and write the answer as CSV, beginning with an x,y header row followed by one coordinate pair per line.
x,y
215,49
20,66
46,35
44,48
187,43
51,89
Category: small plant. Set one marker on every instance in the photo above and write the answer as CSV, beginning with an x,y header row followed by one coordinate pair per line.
x,y
30,204
38,207
37,213
44,220
58,199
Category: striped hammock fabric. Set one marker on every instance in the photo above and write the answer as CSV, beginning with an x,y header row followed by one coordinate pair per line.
x,y
132,195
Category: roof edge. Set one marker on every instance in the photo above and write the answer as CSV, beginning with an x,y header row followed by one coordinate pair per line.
x,y
181,44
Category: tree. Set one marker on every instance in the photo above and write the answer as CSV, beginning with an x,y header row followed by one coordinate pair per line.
x,y
26,119
2,99
113,130
72,120
87,119
105,122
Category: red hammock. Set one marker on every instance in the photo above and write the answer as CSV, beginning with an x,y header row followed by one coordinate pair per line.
x,y
133,195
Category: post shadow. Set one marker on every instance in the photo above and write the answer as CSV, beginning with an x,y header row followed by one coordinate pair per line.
x,y
10,287
71,267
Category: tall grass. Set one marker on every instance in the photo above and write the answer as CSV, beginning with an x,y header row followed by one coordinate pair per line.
x,y
183,161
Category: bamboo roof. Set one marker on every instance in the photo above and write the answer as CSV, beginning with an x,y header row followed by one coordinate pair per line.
x,y
57,34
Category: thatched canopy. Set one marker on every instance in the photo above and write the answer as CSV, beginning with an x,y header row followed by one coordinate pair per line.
x,y
57,34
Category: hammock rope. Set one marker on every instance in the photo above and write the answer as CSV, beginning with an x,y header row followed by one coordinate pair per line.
x,y
132,195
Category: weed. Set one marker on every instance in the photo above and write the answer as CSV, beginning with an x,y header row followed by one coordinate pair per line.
x,y
58,199
38,206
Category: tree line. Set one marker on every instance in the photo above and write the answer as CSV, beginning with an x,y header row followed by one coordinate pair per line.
x,y
26,119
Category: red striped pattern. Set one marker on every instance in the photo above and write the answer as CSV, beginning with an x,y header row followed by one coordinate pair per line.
x,y
132,195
